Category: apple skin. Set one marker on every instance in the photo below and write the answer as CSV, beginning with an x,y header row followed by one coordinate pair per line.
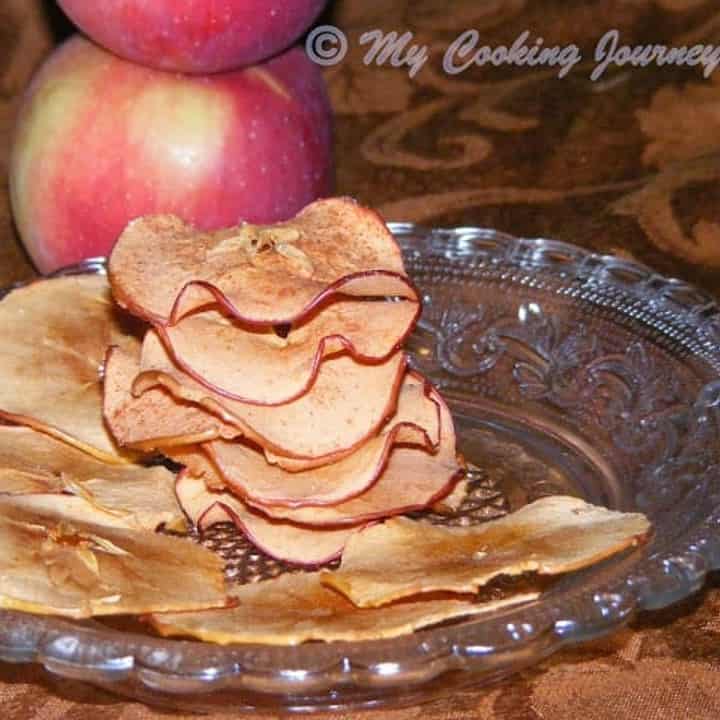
x,y
100,141
194,36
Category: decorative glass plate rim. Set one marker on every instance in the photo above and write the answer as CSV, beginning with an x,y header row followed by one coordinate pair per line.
x,y
96,654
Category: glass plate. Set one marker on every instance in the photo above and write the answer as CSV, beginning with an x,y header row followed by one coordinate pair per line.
x,y
567,372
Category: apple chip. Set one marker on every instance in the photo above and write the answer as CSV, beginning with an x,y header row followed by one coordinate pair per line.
x,y
413,479
260,366
281,540
54,337
34,463
293,609
79,570
553,535
246,472
156,419
347,403
70,509
262,275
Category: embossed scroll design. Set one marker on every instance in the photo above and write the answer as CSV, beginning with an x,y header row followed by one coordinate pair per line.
x,y
554,361
455,339
632,398
688,457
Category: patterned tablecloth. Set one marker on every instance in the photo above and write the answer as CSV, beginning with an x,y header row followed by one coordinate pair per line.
x,y
629,164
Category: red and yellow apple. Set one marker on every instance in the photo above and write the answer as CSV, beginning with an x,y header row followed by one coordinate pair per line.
x,y
100,141
194,36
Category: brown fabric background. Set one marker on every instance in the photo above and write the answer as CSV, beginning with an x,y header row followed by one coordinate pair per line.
x,y
628,165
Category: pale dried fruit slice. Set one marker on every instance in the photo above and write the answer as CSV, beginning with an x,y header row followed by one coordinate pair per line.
x,y
281,540
32,462
293,609
347,403
71,509
262,275
553,535
79,570
54,337
156,419
246,472
263,368
413,479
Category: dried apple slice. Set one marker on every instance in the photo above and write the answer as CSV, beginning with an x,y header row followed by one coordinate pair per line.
x,y
293,609
72,509
262,275
156,419
553,535
281,540
263,368
413,479
247,473
54,337
347,403
34,463
79,570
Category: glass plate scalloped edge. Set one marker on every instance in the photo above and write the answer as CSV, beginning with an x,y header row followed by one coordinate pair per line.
x,y
420,666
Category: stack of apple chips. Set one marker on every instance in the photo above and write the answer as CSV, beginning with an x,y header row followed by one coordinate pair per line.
x,y
273,371
268,364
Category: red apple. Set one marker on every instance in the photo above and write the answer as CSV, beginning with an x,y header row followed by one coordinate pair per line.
x,y
194,36
100,141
